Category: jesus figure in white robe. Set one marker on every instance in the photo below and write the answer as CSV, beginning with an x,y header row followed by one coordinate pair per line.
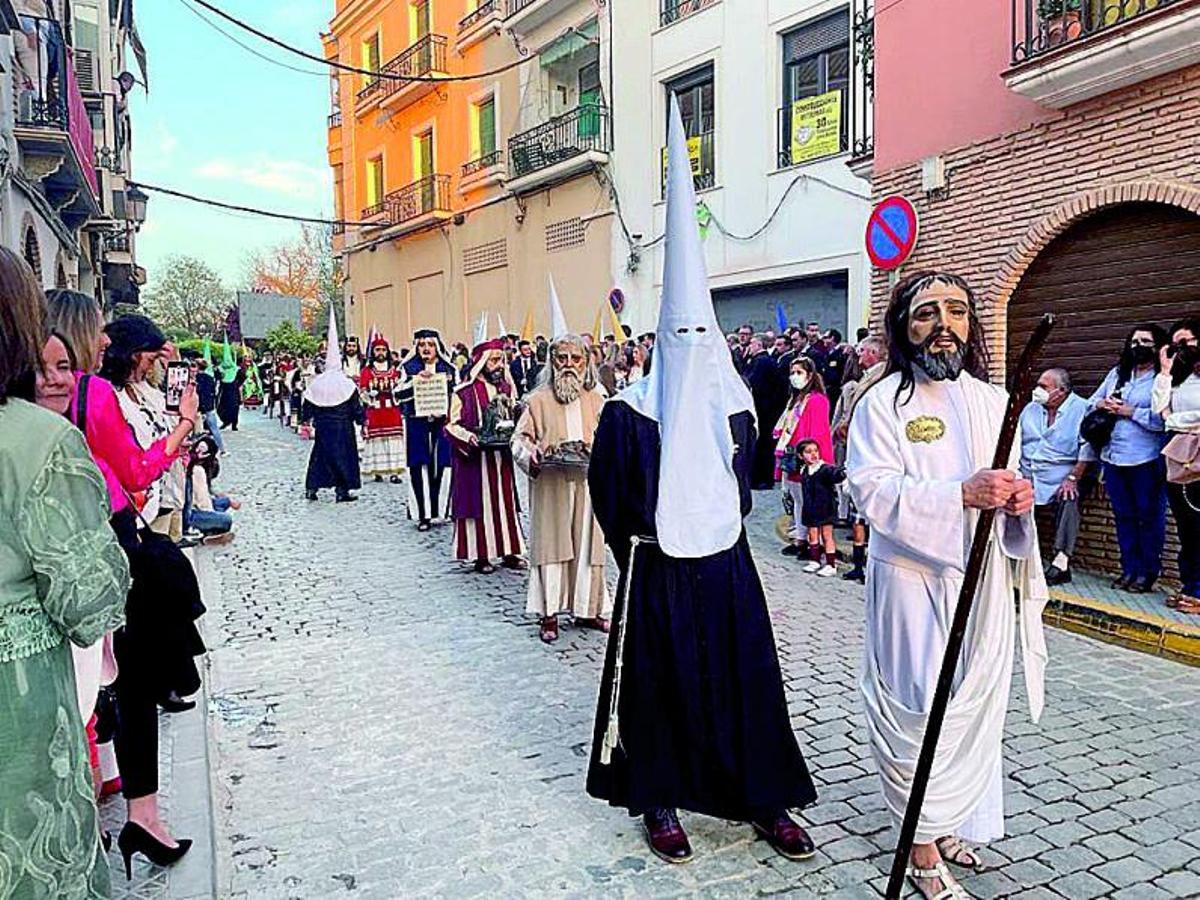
x,y
566,544
919,469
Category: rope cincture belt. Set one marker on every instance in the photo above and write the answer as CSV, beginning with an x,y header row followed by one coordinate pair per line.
x,y
612,734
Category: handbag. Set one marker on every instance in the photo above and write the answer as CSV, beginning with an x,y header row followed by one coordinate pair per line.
x,y
1097,427
1183,458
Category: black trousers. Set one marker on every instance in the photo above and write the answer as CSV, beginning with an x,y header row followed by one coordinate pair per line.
x,y
136,737
1185,505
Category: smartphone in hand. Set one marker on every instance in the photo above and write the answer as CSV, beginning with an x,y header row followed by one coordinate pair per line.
x,y
178,376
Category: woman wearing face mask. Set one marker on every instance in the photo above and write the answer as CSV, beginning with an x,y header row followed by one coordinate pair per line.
x,y
1176,397
806,418
1134,471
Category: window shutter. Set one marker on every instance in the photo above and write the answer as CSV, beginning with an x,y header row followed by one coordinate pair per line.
x,y
487,127
815,37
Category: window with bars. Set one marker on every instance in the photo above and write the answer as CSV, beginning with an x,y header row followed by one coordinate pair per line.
x,y
696,94
816,63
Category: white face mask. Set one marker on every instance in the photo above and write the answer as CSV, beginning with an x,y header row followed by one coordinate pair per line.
x,y
1041,395
799,380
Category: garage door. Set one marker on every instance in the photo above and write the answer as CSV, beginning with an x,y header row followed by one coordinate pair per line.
x,y
1124,266
820,298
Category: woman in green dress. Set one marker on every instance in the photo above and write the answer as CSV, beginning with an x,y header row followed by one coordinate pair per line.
x,y
62,577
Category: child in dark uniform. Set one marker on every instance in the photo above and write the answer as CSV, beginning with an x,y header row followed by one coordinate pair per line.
x,y
818,484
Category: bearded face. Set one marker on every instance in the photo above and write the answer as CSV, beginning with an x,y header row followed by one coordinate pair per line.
x,y
939,326
569,365
380,353
352,346
493,367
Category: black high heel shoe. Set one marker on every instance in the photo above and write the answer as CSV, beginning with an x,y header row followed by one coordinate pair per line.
x,y
136,839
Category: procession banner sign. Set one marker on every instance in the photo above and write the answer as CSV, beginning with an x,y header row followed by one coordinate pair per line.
x,y
431,396
816,127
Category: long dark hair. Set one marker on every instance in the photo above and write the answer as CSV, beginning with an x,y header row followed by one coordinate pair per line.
x,y
22,327
1125,364
1178,377
902,353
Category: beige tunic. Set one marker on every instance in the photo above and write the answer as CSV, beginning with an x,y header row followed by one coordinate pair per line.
x,y
566,544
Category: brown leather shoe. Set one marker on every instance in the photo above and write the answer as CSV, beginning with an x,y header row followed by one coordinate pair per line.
x,y
788,838
666,836
514,562
549,630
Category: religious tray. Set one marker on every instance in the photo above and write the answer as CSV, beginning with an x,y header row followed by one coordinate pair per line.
x,y
499,423
570,456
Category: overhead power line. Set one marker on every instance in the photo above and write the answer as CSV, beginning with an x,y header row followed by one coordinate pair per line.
x,y
275,62
232,207
341,66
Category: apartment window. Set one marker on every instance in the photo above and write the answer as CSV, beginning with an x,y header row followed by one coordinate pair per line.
x,y
420,20
374,181
422,155
335,95
816,81
485,127
370,58
697,107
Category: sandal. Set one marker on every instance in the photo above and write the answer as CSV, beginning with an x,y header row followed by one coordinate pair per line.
x,y
548,632
1188,605
599,623
955,850
951,889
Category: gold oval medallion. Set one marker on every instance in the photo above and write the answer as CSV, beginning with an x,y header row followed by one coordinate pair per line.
x,y
925,429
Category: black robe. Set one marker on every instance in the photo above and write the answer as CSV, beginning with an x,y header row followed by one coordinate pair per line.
x,y
229,401
766,386
334,459
704,724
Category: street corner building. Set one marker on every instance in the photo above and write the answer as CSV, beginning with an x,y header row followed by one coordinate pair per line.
x,y
1054,162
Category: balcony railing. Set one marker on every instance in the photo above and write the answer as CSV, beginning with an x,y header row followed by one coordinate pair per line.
x,y
670,11
109,158
117,242
424,196
426,56
1040,26
702,153
583,129
484,162
862,80
335,119
819,138
515,6
484,10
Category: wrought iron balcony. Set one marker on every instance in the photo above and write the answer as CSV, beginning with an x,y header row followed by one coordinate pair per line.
x,y
117,242
671,11
862,83
335,119
515,6
484,10
1040,26
426,56
424,196
495,158
583,129
702,153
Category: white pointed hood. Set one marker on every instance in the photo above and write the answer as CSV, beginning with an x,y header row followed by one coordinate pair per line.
x,y
558,322
692,388
481,329
332,387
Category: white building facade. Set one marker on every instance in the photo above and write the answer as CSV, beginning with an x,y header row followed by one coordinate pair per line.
x,y
775,100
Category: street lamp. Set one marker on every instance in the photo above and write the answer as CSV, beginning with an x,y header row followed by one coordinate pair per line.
x,y
135,205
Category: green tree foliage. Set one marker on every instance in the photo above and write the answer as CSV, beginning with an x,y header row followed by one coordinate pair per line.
x,y
287,338
188,295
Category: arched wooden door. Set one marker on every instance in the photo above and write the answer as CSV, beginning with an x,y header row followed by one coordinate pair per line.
x,y
1121,267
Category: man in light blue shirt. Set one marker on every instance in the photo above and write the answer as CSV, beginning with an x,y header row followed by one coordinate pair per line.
x,y
1054,457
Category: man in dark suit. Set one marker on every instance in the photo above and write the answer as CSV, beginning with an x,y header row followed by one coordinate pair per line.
x,y
525,368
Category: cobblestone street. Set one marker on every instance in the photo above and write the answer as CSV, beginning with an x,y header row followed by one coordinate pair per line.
x,y
385,724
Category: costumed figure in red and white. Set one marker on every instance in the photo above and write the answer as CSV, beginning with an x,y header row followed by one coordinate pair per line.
x,y
383,452
484,486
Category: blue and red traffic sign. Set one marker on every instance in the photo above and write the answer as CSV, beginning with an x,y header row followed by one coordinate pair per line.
x,y
891,232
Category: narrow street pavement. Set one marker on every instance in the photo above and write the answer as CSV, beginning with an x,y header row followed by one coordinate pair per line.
x,y
384,724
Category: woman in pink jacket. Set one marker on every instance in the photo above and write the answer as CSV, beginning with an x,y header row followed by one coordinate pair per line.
x,y
805,419
127,469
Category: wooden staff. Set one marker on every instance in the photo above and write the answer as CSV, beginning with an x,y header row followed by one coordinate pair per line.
x,y
962,612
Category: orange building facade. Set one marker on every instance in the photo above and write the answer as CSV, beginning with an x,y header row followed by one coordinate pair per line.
x,y
474,166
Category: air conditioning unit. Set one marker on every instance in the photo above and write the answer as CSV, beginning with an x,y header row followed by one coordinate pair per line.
x,y
85,70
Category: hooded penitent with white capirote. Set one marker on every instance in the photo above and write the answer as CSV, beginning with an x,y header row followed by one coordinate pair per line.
x,y
332,387
692,388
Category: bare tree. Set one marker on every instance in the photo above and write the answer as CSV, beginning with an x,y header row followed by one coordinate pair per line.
x,y
188,295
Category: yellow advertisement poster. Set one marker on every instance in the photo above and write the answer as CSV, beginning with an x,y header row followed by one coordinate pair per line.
x,y
693,145
816,127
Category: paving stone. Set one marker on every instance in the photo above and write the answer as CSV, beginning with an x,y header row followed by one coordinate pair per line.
x,y
1179,884
1081,886
1126,872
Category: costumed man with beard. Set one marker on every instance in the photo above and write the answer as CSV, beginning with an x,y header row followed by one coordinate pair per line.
x,y
331,403
484,489
352,358
383,450
919,468
566,545
425,436
692,713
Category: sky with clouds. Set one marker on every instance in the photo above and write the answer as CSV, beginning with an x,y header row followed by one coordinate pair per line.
x,y
223,123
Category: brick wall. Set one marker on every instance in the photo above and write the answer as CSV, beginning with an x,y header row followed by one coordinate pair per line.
x,y
1009,196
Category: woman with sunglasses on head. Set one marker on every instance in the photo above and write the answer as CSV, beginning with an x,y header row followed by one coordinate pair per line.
x,y
1134,473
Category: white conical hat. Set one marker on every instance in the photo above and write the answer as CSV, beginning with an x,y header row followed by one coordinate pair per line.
x,y
332,387
481,329
692,388
558,322
500,323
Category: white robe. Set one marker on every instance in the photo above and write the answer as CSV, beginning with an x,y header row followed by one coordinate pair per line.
x,y
905,469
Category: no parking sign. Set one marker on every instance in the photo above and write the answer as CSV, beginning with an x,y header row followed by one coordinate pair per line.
x,y
892,232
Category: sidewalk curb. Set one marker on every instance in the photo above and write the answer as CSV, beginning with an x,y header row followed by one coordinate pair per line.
x,y
1128,628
